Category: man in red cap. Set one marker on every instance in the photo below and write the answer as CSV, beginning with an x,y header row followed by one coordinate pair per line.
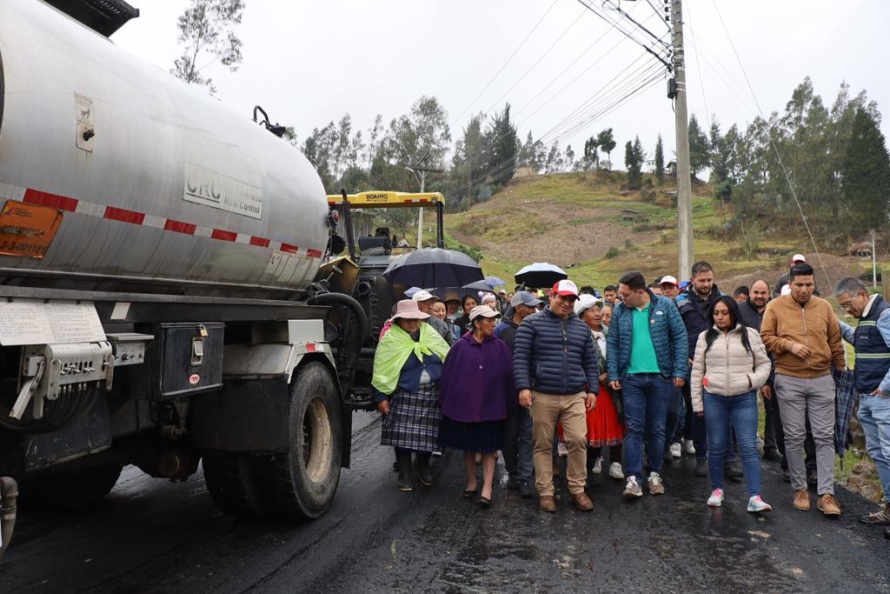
x,y
554,362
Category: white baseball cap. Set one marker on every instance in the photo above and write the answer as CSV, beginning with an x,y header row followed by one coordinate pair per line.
x,y
565,288
422,296
669,280
798,258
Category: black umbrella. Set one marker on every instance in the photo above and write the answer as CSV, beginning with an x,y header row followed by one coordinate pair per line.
x,y
434,267
539,275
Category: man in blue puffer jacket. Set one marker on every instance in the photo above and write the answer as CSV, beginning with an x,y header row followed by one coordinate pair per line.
x,y
554,363
648,356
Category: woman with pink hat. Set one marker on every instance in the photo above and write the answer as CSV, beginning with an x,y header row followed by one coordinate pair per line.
x,y
407,368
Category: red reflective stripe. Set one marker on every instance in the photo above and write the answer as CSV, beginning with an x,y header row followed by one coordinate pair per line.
x,y
224,235
180,227
124,215
314,253
50,200
424,199
290,249
260,241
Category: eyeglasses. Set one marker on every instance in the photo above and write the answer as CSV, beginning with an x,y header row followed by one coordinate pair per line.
x,y
846,305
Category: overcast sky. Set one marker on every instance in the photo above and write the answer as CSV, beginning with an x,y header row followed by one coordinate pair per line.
x,y
308,62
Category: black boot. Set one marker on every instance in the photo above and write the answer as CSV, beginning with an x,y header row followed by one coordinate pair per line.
x,y
406,474
423,469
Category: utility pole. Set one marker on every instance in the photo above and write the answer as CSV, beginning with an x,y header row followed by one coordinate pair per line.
x,y
684,178
420,174
874,262
420,214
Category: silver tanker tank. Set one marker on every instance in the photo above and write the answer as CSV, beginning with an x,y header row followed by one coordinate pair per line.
x,y
116,176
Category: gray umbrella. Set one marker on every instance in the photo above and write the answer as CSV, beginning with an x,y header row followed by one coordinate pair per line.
x,y
434,267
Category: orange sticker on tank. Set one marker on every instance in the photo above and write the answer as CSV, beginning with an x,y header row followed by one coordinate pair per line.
x,y
27,229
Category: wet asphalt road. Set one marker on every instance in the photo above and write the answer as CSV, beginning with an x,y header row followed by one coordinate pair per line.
x,y
153,536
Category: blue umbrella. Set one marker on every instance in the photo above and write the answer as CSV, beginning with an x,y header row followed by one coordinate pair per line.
x,y
410,292
540,274
495,281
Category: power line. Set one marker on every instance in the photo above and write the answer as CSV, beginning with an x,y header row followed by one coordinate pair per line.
x,y
574,80
628,35
701,82
626,15
660,15
504,65
538,61
775,148
601,113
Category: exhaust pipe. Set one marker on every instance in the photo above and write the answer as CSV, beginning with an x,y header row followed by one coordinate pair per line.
x,y
9,493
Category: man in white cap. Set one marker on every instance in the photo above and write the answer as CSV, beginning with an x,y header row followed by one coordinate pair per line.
x,y
669,287
425,301
556,374
783,280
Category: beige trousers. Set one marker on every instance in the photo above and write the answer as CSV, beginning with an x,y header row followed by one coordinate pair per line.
x,y
570,411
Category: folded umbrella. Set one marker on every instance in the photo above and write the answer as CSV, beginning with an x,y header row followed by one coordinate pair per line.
x,y
433,267
540,274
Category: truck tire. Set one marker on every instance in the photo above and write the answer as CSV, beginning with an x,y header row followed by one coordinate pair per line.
x,y
70,491
231,482
301,483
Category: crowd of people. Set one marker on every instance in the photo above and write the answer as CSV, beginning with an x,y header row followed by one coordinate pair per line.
x,y
626,380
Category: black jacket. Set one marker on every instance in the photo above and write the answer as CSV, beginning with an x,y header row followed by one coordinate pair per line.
x,y
750,315
694,312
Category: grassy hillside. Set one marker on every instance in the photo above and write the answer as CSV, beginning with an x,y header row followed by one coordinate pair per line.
x,y
579,221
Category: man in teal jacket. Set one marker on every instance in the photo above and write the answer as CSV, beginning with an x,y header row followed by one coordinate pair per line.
x,y
648,356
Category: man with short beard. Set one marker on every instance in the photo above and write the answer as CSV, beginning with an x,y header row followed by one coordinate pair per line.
x,y
773,438
803,333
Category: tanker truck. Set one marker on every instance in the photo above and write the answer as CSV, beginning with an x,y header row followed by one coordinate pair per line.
x,y
167,297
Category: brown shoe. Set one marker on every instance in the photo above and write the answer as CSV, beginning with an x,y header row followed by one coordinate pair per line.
x,y
547,504
582,501
828,505
802,500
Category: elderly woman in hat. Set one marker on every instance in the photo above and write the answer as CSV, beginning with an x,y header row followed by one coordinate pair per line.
x,y
604,425
407,369
477,393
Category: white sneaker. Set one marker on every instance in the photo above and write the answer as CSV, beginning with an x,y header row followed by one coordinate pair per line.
x,y
562,450
615,471
632,490
598,466
690,447
676,450
757,505
656,486
716,499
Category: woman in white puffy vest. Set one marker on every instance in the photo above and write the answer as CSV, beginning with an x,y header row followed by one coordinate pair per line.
x,y
730,365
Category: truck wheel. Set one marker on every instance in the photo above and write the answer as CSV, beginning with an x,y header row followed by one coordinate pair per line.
x,y
301,483
71,491
232,485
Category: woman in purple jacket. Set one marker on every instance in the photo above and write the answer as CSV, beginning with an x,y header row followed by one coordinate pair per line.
x,y
476,392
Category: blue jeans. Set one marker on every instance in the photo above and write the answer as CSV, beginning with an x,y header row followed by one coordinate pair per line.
x,y
519,446
874,416
741,410
674,414
647,397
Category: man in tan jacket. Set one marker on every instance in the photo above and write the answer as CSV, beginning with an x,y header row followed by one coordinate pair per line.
x,y
803,333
